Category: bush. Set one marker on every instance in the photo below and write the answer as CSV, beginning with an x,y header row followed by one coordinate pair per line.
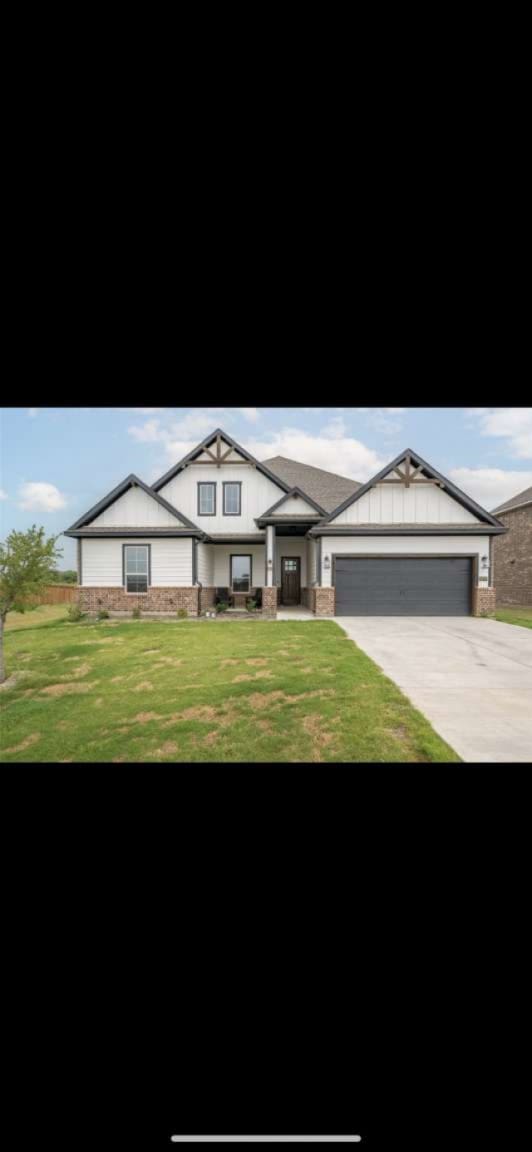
x,y
182,613
222,606
103,614
74,613
136,613
251,605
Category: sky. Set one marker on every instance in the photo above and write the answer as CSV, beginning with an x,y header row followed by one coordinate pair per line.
x,y
56,463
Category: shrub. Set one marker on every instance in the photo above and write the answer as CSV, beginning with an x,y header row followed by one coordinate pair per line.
x,y
136,613
251,605
222,606
74,613
182,613
103,614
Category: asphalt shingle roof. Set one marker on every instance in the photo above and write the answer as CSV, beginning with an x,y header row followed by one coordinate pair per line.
x,y
521,498
326,488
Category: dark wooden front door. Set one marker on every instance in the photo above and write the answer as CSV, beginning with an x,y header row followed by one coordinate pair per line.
x,y
290,579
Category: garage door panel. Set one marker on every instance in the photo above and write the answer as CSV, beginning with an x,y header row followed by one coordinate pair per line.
x,y
395,586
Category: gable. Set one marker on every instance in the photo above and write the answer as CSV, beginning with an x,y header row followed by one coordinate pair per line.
x,y
410,492
136,509
295,503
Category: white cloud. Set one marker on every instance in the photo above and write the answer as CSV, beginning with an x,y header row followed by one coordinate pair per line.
x,y
3,495
341,454
145,411
250,414
490,486
32,411
336,428
40,497
514,424
149,431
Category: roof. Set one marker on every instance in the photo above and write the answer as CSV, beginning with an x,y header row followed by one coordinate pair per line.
x,y
419,462
129,482
197,451
516,502
325,488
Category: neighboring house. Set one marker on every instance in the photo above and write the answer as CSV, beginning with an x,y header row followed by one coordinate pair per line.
x,y
406,543
513,552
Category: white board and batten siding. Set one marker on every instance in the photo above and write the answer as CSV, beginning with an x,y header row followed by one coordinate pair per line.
x,y
258,493
171,561
135,509
400,545
295,506
395,504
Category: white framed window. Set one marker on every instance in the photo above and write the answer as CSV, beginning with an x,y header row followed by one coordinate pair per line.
x,y
232,498
136,564
206,499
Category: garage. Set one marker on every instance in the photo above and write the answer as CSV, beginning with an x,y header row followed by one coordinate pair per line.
x,y
403,585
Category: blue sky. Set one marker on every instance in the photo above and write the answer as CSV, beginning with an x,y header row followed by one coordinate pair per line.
x,y
55,463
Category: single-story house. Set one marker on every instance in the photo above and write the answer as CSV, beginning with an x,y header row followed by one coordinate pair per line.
x,y
408,542
513,551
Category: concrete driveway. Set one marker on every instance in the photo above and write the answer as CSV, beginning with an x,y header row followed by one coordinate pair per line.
x,y
472,678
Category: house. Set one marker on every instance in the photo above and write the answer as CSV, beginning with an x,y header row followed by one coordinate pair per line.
x,y
406,543
513,551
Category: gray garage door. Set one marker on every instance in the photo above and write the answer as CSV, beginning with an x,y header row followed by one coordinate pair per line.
x,y
403,587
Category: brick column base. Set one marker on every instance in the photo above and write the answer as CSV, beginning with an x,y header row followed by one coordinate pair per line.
x,y
163,600
207,598
269,602
325,599
483,601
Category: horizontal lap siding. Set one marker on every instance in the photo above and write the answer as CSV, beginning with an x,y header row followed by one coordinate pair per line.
x,y
205,565
222,553
171,562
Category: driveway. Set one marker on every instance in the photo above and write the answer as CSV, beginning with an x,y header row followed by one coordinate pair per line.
x,y
472,678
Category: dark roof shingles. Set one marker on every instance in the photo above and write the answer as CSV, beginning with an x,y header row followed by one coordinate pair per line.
x,y
521,498
326,488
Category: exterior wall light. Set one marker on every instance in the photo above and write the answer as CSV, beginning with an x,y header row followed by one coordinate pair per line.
x,y
484,561
327,562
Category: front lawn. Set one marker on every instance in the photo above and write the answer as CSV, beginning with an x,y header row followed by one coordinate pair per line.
x,y
199,690
521,616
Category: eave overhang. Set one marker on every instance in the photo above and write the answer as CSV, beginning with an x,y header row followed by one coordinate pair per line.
x,y
409,530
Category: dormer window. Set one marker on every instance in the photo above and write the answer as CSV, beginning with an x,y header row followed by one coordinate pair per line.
x,y
232,498
206,499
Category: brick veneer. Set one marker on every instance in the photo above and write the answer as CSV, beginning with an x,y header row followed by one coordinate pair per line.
x,y
207,598
513,557
155,600
483,601
269,602
324,601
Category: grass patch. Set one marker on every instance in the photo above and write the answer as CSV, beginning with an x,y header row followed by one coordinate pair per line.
x,y
33,617
520,616
284,691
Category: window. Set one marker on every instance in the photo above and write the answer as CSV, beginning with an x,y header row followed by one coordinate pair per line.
x,y
206,499
241,573
136,567
232,500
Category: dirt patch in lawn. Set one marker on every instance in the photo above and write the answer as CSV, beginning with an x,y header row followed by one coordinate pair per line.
x,y
150,651
258,662
167,661
104,640
226,663
264,725
144,718
77,673
68,689
167,749
27,743
9,683
144,686
211,738
268,675
116,679
261,700
321,738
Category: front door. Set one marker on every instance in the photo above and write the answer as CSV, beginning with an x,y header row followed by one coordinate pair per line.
x,y
290,580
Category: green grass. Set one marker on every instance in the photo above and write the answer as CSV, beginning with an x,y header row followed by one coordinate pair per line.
x,y
44,614
521,616
196,691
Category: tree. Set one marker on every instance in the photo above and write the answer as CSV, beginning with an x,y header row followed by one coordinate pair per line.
x,y
65,576
26,560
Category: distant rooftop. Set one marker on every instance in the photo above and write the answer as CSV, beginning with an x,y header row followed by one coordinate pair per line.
x,y
516,501
326,488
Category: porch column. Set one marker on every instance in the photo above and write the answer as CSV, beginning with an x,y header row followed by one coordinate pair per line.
x,y
270,555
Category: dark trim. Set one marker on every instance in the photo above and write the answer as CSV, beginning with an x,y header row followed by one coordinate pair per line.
x,y
449,487
236,539
80,564
286,520
468,530
411,556
130,482
238,484
294,492
104,533
208,484
232,556
206,444
124,546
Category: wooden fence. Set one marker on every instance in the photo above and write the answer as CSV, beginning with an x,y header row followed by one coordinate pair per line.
x,y
56,594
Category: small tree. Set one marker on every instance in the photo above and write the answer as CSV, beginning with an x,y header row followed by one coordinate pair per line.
x,y
26,560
